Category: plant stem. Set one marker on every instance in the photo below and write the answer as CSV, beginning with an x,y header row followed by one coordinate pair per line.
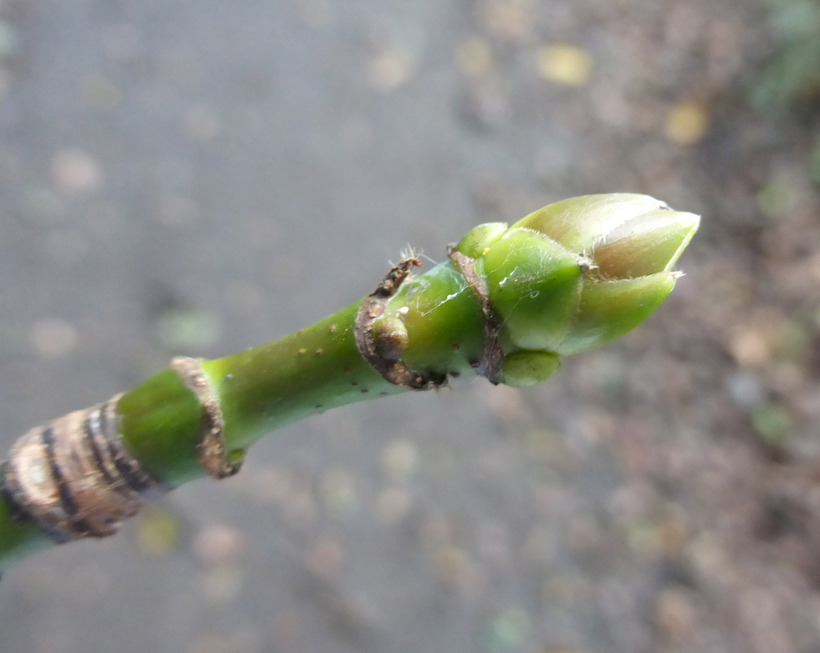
x,y
307,372
18,538
267,387
506,305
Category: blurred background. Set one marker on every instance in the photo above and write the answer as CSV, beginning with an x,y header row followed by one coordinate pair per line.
x,y
199,177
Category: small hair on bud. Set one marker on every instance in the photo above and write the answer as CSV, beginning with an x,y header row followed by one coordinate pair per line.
x,y
410,253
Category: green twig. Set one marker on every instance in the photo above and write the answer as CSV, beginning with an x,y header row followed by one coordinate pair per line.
x,y
506,305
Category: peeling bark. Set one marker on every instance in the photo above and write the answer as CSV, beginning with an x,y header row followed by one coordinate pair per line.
x,y
74,477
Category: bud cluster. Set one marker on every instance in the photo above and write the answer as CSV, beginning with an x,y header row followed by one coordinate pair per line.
x,y
576,274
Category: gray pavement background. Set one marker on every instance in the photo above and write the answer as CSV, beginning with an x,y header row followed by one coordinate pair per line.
x,y
198,177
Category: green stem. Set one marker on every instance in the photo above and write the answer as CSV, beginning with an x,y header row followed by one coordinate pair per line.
x,y
307,372
267,387
507,305
18,538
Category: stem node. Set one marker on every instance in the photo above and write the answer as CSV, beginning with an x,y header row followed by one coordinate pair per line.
x,y
213,456
391,367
